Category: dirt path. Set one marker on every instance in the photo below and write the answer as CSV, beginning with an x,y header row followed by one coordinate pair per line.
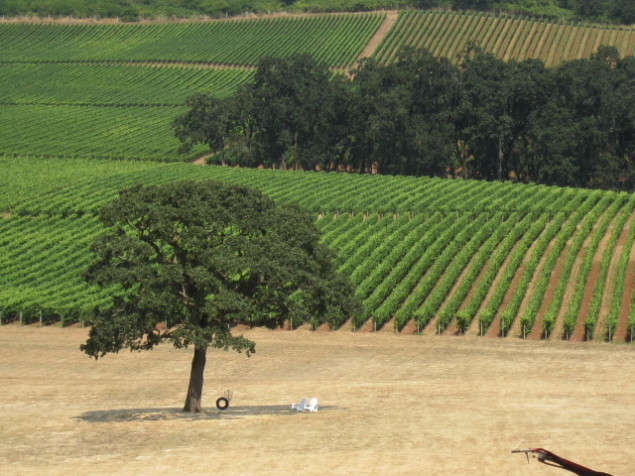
x,y
384,28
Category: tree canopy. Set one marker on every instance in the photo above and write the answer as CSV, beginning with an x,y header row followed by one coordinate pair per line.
x,y
189,261
616,11
481,118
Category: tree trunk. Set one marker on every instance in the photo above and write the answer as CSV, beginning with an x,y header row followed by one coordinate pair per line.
x,y
195,388
500,159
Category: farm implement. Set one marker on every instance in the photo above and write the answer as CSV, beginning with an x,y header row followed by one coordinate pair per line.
x,y
551,459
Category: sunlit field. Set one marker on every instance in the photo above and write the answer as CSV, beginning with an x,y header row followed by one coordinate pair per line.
x,y
389,405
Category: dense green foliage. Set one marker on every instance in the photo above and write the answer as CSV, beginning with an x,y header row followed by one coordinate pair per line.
x,y
402,240
200,258
96,110
432,253
111,91
485,118
90,90
620,11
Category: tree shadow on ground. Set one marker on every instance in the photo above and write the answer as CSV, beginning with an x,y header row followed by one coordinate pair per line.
x,y
159,414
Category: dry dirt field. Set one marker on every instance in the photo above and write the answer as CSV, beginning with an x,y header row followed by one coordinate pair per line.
x,y
390,405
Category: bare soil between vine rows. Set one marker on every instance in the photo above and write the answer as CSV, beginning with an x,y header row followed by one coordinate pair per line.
x,y
389,404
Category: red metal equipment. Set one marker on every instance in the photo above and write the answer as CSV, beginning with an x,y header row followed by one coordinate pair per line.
x,y
551,459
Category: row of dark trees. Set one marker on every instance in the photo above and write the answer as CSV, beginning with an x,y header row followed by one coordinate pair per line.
x,y
484,118
614,11
619,11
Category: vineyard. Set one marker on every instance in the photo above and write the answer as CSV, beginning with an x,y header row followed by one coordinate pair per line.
x,y
509,38
111,90
426,255
335,40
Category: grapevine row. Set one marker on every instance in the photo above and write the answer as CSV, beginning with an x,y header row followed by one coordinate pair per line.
x,y
447,34
98,84
335,40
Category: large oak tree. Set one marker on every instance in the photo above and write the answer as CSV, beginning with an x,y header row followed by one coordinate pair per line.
x,y
201,258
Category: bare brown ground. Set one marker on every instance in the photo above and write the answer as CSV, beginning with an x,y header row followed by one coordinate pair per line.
x,y
578,333
389,405
389,21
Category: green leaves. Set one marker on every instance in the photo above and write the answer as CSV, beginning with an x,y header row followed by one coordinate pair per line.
x,y
203,257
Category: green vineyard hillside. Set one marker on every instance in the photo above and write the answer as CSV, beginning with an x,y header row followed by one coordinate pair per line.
x,y
508,38
428,255
111,90
86,110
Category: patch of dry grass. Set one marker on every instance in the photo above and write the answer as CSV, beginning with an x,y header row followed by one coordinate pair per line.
x,y
390,405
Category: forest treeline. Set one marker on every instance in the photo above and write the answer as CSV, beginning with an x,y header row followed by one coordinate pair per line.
x,y
482,118
605,11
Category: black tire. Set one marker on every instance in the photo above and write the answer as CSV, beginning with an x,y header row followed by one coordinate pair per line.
x,y
222,403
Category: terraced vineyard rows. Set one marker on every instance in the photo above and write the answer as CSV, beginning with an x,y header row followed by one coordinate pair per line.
x,y
335,40
152,68
112,91
91,131
102,110
424,254
447,35
113,84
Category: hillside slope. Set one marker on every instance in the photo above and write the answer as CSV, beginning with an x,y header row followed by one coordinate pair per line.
x,y
111,90
428,255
